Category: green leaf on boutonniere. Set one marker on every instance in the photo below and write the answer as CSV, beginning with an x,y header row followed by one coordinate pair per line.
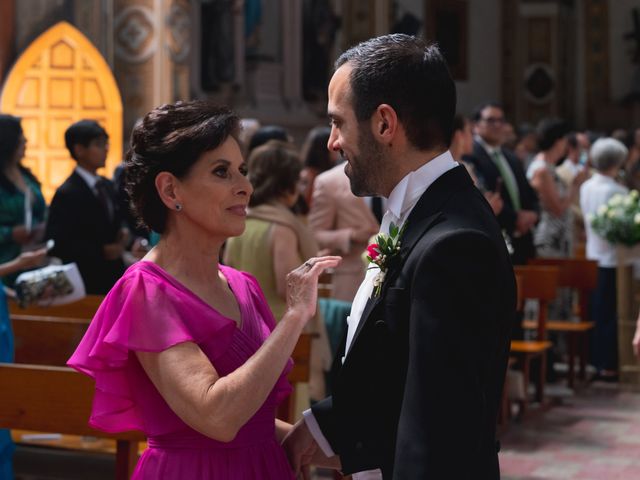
x,y
384,253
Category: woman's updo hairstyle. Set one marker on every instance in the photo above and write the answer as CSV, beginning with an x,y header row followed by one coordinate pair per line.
x,y
171,138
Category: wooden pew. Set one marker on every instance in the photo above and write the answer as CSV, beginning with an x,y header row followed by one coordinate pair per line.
x,y
51,341
84,308
58,399
46,340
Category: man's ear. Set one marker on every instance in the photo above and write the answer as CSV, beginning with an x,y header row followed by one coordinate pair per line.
x,y
385,123
78,150
166,186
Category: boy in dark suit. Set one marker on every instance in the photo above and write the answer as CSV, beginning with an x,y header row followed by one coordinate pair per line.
x,y
85,219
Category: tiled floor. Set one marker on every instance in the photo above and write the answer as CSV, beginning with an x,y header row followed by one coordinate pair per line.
x,y
592,435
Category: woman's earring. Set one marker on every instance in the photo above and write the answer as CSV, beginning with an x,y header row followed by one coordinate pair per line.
x,y
178,207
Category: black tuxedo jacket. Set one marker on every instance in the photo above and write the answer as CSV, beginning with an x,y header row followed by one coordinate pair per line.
x,y
489,174
80,227
418,393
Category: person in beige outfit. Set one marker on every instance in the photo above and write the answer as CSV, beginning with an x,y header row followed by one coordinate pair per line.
x,y
342,222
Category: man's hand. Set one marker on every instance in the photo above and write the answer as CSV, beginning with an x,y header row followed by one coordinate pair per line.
x,y
302,451
300,448
495,201
31,259
525,221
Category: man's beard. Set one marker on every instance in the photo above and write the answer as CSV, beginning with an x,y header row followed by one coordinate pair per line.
x,y
367,169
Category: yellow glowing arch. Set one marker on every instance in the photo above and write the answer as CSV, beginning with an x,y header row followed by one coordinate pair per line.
x,y
59,79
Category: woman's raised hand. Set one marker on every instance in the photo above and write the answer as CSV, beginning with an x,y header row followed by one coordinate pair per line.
x,y
302,284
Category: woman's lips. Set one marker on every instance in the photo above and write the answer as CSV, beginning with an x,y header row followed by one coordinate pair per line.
x,y
240,210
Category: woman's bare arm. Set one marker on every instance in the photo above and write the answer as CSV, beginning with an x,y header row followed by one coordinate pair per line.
x,y
218,406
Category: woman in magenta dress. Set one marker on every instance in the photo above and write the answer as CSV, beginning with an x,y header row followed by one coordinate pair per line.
x,y
182,348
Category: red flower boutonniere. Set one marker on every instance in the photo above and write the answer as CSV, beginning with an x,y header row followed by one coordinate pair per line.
x,y
382,252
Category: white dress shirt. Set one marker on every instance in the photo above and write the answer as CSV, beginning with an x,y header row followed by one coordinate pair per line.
x,y
90,178
593,193
401,201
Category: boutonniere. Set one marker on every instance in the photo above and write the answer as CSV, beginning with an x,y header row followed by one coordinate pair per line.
x,y
382,253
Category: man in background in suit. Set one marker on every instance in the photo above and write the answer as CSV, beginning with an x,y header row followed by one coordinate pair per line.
x,y
85,218
343,223
417,380
500,170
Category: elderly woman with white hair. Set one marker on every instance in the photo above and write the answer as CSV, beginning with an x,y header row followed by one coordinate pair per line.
x,y
607,156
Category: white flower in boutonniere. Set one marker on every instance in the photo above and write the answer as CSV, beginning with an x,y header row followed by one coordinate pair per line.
x,y
382,252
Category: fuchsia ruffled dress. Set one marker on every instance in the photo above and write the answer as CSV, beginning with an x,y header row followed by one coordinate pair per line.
x,y
148,310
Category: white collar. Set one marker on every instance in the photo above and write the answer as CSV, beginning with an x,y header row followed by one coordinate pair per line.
x,y
408,191
598,177
488,148
87,176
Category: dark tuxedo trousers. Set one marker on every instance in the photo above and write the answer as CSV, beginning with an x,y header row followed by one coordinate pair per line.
x,y
81,227
418,393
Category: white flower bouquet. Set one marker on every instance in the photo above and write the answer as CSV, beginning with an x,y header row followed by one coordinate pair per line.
x,y
618,221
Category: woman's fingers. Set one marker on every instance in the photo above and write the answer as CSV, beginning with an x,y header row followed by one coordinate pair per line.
x,y
317,265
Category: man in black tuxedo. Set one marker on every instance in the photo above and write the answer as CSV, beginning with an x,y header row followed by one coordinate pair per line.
x,y
500,170
417,381
85,219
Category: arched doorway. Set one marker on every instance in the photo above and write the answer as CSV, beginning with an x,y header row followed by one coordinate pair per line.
x,y
59,79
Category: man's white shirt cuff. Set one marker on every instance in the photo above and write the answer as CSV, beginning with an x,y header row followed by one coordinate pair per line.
x,y
316,433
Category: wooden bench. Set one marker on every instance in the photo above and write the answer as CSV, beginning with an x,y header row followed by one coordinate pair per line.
x,y
582,276
58,399
46,340
51,341
84,308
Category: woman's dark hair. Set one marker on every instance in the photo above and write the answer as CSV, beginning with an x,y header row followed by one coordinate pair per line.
x,y
171,138
549,131
274,169
315,153
10,135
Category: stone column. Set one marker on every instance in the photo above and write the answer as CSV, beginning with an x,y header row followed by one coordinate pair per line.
x,y
152,48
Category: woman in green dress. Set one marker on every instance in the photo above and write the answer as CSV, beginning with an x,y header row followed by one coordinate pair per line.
x,y
22,206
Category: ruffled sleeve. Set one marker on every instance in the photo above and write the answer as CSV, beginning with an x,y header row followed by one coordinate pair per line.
x,y
143,312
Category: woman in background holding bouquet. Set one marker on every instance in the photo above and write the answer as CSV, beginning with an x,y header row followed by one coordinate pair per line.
x,y
22,206
607,156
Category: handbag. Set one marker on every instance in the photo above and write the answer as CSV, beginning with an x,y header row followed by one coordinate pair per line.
x,y
51,285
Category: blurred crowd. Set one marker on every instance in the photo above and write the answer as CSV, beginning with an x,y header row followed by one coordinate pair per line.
x,y
541,182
